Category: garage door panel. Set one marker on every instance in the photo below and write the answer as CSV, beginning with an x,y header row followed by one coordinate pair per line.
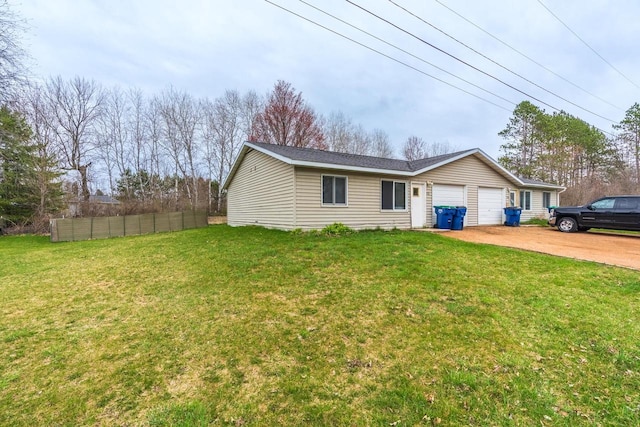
x,y
490,204
448,195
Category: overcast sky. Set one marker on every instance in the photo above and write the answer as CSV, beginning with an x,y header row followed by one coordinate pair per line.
x,y
207,47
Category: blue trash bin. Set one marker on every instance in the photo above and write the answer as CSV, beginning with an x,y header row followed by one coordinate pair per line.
x,y
457,222
444,216
512,216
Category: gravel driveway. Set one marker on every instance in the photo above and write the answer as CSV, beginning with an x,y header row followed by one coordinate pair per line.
x,y
620,250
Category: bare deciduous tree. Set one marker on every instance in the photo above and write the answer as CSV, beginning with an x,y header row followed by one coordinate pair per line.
x,y
414,148
380,145
112,136
153,130
360,141
75,107
343,136
181,118
338,131
252,105
12,55
440,148
139,144
222,136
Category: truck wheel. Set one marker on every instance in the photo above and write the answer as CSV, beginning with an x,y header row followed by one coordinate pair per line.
x,y
567,225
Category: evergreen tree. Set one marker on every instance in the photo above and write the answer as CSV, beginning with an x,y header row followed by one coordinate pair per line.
x,y
523,136
558,147
629,128
17,160
29,184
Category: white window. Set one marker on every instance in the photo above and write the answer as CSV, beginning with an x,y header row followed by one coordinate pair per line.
x,y
512,198
546,199
394,196
525,200
334,190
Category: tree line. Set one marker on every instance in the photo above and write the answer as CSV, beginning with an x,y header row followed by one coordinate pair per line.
x,y
563,149
63,142
73,139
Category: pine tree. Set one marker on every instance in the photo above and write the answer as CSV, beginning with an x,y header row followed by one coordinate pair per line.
x,y
17,160
29,185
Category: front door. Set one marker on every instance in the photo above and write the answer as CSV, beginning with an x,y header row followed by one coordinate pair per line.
x,y
418,205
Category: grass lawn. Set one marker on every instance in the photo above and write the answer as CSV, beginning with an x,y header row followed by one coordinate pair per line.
x,y
250,326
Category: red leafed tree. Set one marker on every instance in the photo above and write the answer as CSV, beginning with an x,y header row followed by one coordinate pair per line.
x,y
288,120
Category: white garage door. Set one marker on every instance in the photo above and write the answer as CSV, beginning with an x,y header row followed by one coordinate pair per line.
x,y
490,204
448,195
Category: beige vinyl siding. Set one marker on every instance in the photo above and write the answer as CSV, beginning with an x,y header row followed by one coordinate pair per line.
x,y
262,193
537,211
470,172
363,202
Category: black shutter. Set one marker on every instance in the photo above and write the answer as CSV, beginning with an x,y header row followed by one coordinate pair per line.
x,y
327,190
387,195
340,185
401,195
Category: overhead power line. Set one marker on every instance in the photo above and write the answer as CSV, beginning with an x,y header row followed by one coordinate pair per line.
x,y
408,65
587,45
495,62
407,52
454,57
528,57
388,56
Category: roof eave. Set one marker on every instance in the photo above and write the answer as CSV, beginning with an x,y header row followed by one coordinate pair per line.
x,y
543,185
304,163
319,165
334,166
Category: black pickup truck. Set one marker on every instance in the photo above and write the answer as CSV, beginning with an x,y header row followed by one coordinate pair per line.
x,y
615,212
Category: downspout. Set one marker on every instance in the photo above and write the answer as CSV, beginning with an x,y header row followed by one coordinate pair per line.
x,y
558,196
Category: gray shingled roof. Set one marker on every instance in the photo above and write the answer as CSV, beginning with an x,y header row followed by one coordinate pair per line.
x,y
430,161
328,159
354,160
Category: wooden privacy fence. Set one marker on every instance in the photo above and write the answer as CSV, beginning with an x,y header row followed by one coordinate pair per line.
x,y
72,229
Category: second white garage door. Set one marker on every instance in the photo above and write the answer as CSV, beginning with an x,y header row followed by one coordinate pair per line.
x,y
490,204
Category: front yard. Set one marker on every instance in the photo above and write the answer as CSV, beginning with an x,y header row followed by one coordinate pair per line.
x,y
250,326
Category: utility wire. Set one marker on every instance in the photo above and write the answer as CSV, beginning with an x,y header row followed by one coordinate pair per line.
x,y
453,56
587,45
497,63
386,56
407,52
412,67
528,57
